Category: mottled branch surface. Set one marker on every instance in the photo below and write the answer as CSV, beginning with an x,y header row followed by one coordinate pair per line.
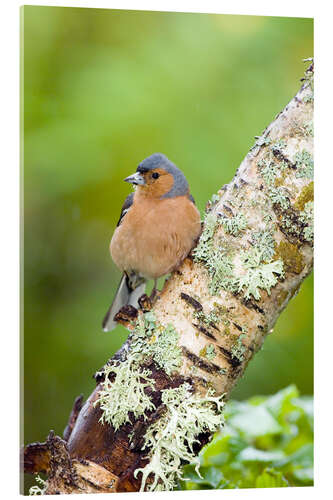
x,y
254,253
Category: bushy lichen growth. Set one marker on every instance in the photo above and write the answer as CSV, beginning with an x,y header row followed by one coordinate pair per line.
x,y
234,225
124,389
304,164
307,218
170,440
38,489
125,394
258,275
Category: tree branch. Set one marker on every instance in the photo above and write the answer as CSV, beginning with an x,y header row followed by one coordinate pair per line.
x,y
211,317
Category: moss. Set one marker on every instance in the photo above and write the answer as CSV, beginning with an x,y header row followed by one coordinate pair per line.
x,y
291,256
171,439
305,195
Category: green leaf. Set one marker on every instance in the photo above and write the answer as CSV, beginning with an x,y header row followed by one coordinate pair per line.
x,y
271,479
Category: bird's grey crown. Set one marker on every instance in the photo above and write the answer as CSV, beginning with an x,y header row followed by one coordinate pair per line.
x,y
158,160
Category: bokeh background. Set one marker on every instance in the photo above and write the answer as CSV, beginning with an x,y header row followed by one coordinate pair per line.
x,y
102,90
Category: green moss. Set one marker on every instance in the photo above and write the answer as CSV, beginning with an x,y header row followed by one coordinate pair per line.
x,y
171,439
291,256
305,195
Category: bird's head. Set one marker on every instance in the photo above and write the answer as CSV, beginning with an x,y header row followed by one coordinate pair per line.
x,y
157,177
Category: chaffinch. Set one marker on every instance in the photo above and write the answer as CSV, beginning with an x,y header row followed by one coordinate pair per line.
x,y
158,227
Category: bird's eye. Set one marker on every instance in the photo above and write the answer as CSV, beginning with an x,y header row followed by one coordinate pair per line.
x,y
155,175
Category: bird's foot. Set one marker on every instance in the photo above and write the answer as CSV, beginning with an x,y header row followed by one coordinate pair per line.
x,y
126,315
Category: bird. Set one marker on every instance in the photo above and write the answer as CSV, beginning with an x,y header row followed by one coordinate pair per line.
x,y
158,226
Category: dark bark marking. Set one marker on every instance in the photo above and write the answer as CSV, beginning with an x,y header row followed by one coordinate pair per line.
x,y
252,305
190,300
200,363
232,360
204,331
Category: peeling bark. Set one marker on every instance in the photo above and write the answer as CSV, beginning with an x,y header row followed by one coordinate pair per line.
x,y
271,190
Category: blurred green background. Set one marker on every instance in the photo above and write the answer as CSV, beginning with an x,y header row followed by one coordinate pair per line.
x,y
103,89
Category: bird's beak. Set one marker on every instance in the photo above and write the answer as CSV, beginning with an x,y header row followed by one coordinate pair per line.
x,y
136,179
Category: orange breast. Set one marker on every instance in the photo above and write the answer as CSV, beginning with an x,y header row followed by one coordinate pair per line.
x,y
155,236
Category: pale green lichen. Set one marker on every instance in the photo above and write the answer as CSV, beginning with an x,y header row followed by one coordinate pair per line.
x,y
170,440
203,249
38,489
304,164
234,225
265,244
268,169
278,197
124,389
258,275
309,129
221,270
210,352
126,394
238,349
307,217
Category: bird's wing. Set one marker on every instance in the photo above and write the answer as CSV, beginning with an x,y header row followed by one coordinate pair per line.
x,y
125,208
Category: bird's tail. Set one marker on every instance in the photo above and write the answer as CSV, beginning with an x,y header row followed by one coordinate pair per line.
x,y
128,293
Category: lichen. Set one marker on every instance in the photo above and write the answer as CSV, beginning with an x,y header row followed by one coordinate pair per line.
x,y
126,394
264,242
234,225
307,218
304,164
124,389
210,352
292,258
268,169
221,270
279,197
238,349
171,439
258,275
305,195
202,250
38,489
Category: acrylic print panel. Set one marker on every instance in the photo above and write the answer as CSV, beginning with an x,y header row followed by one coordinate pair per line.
x,y
103,90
